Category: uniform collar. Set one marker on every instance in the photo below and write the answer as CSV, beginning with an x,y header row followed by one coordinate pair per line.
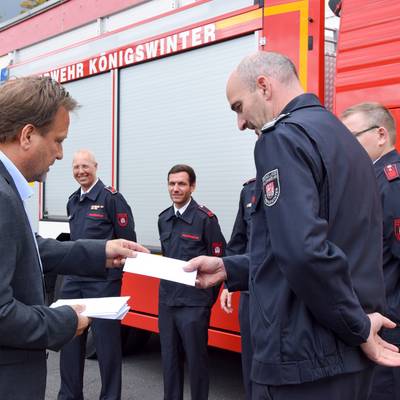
x,y
182,209
187,216
389,158
94,190
304,100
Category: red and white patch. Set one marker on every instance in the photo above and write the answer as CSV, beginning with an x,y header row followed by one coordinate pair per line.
x,y
396,228
122,219
95,215
391,172
217,249
190,236
271,187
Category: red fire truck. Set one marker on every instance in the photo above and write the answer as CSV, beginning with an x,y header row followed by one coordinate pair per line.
x,y
150,77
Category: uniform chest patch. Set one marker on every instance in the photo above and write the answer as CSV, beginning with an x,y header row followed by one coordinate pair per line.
x,y
271,187
122,219
96,206
190,236
217,249
396,228
96,215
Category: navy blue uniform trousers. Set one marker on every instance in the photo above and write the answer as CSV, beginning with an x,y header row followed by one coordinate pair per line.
x,y
355,386
247,348
104,332
184,330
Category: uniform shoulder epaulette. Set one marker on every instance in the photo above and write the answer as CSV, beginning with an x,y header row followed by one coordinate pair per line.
x,y
249,181
391,172
163,211
111,189
269,126
206,211
76,193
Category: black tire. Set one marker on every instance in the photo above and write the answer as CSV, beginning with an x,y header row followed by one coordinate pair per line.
x,y
132,340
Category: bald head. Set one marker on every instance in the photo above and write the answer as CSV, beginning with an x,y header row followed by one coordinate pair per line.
x,y
274,65
260,87
84,169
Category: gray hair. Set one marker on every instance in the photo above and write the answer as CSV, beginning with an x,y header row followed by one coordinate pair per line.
x,y
271,64
374,114
31,100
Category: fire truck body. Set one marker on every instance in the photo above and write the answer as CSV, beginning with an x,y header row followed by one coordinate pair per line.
x,y
150,77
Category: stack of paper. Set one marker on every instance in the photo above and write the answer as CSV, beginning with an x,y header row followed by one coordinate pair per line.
x,y
101,307
160,267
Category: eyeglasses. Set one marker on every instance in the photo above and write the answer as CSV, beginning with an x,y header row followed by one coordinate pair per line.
x,y
355,134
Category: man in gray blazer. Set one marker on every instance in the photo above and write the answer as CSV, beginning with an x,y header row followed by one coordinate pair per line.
x,y
34,120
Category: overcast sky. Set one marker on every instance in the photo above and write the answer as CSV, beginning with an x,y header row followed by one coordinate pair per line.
x,y
9,8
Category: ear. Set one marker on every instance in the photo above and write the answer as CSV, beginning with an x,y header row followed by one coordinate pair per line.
x,y
263,83
383,136
192,187
25,136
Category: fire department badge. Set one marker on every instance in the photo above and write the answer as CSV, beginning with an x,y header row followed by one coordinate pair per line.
x,y
391,172
271,187
217,249
122,219
396,228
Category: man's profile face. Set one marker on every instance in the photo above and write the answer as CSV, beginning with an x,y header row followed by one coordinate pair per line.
x,y
179,188
248,105
368,138
84,169
48,148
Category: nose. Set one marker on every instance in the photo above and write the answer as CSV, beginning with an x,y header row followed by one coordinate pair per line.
x,y
242,123
60,153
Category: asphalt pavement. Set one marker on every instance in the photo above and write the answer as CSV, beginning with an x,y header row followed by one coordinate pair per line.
x,y
142,375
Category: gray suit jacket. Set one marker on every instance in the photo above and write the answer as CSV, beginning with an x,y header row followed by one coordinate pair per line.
x,y
27,327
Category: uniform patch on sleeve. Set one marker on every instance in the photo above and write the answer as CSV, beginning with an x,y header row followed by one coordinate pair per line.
x,y
122,219
271,187
391,172
396,228
217,249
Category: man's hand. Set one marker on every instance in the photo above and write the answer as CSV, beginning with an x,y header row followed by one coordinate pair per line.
x,y
83,322
210,271
377,349
226,301
118,250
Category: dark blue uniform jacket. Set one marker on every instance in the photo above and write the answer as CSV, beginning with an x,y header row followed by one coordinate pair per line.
x,y
103,213
387,170
195,233
315,252
238,243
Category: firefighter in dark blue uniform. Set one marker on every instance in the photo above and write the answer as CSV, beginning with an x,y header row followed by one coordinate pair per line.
x,y
375,128
315,282
95,212
238,244
186,230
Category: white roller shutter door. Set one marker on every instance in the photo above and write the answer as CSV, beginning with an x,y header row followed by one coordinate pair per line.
x,y
174,110
90,128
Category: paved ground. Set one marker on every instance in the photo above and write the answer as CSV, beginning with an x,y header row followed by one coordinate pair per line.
x,y
142,376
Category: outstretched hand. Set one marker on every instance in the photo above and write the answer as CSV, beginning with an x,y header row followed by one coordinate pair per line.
x,y
210,271
118,250
377,349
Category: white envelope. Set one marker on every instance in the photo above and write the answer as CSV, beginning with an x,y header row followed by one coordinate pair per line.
x,y
160,267
100,307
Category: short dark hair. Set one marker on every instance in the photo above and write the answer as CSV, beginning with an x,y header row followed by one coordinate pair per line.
x,y
183,168
31,100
